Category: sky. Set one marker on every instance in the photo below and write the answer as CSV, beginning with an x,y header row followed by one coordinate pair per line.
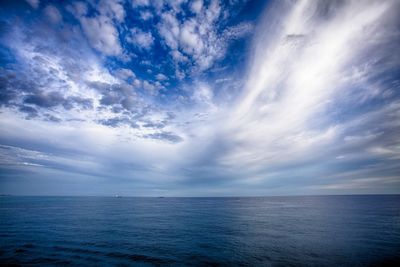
x,y
199,98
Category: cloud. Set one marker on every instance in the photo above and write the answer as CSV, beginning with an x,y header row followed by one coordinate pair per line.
x,y
189,39
161,77
166,136
139,3
30,111
53,99
156,125
118,121
6,96
112,9
125,74
169,29
196,6
33,3
197,38
78,9
47,100
141,39
101,30
146,15
238,31
53,14
102,34
312,108
19,156
279,121
76,101
203,95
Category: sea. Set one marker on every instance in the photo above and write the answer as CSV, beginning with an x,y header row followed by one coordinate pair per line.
x,y
358,230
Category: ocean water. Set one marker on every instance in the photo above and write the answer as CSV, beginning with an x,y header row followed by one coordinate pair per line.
x,y
265,231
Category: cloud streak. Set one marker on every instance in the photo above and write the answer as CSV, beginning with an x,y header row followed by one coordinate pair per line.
x,y
291,119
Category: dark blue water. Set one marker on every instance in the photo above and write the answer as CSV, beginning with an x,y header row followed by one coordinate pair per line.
x,y
270,231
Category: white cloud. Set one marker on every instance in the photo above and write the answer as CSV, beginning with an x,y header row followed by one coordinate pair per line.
x,y
146,15
112,9
203,95
196,6
137,83
178,56
101,31
148,86
124,74
281,125
238,31
274,121
161,77
139,3
53,14
213,11
176,5
169,29
33,3
196,38
102,34
78,9
140,38
190,41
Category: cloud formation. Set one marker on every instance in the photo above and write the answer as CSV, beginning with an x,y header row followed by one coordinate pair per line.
x,y
200,98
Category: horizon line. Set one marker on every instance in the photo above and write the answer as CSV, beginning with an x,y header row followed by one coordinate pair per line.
x,y
130,196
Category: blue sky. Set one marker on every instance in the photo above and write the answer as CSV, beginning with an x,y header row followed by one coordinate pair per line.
x,y
199,98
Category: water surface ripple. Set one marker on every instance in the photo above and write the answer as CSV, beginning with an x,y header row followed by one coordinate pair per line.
x,y
264,231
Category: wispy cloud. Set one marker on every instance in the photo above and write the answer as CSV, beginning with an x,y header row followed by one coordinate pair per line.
x,y
284,123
